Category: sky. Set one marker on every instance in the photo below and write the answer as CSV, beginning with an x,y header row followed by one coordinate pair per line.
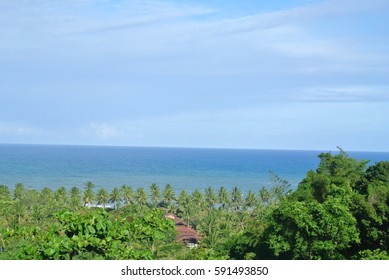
x,y
296,74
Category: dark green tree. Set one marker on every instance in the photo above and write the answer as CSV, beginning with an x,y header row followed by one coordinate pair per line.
x,y
370,206
378,172
75,197
197,199
312,230
5,194
115,197
236,198
128,194
89,195
61,197
223,198
155,195
169,197
250,200
264,196
19,191
210,197
340,168
141,196
102,197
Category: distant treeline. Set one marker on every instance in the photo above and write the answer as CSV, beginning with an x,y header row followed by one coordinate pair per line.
x,y
338,211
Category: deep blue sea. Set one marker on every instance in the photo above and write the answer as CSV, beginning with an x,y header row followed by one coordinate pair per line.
x,y
52,166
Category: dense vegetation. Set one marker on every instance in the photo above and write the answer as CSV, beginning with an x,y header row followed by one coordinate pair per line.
x,y
339,211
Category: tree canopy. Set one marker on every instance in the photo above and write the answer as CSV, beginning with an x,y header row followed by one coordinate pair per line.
x,y
340,210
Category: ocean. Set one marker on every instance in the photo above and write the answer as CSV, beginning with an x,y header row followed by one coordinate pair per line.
x,y
39,166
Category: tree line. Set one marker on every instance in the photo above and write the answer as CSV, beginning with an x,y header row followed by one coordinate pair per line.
x,y
338,211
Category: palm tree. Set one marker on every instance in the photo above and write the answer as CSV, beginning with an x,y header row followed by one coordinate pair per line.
x,y
75,197
61,197
198,199
37,212
240,220
223,197
169,197
115,197
32,197
183,199
89,195
19,191
264,196
102,197
128,194
279,187
20,212
184,206
47,198
141,196
155,194
250,200
209,228
236,198
4,193
89,185
210,197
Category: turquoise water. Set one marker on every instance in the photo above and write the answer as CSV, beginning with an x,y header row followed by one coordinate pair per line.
x,y
40,166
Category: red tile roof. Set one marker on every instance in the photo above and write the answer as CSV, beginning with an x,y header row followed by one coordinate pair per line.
x,y
186,233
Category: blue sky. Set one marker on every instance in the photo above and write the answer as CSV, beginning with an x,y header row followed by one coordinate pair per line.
x,y
227,74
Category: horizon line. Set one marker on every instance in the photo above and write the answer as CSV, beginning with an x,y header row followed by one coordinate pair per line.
x,y
190,147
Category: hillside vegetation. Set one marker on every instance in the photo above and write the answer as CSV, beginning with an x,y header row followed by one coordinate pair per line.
x,y
338,211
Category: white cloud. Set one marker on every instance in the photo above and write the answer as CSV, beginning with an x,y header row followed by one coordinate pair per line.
x,y
121,60
104,131
317,126
91,16
16,129
169,31
343,94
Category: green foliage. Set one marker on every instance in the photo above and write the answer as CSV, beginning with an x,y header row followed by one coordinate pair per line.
x,y
272,195
89,194
169,197
155,195
316,222
250,200
5,194
19,190
373,255
115,197
102,197
312,230
94,235
340,168
185,209
378,172
236,198
338,211
75,198
198,199
141,196
223,197
128,194
152,228
204,253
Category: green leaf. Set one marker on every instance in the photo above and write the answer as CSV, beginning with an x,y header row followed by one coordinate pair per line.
x,y
91,229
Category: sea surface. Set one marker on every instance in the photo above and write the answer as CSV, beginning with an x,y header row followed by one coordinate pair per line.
x,y
39,166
